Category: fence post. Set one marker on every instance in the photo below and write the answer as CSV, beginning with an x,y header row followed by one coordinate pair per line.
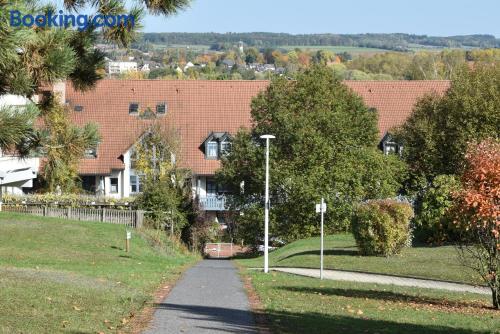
x,y
45,211
103,214
68,213
139,218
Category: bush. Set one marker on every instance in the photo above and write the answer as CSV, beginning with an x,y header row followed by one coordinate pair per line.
x,y
433,222
67,200
381,227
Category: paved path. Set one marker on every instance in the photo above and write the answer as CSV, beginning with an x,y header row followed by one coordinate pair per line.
x,y
351,276
209,298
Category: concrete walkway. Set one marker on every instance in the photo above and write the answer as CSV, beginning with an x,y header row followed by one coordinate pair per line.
x,y
351,276
209,298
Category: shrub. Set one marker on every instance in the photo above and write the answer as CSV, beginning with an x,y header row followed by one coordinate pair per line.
x,y
433,222
67,200
381,227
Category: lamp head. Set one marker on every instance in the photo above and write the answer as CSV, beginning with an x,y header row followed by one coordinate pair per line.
x,y
267,137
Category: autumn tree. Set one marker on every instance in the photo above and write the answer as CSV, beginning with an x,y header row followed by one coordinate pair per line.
x,y
477,212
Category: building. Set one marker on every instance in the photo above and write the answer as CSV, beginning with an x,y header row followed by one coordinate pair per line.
x,y
16,173
119,67
205,114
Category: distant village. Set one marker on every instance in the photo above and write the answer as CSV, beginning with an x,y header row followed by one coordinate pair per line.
x,y
228,62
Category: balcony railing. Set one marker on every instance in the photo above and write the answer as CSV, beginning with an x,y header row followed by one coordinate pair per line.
x,y
213,203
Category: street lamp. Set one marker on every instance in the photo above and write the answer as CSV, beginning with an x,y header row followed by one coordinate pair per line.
x,y
266,206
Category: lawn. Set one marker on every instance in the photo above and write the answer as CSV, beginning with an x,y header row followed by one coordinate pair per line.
x,y
295,304
60,276
341,253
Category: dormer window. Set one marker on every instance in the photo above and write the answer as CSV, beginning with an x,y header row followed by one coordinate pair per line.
x,y
133,108
91,153
78,108
161,108
212,150
390,146
216,145
225,147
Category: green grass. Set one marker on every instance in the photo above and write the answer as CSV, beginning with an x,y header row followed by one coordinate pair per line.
x,y
341,253
60,276
295,304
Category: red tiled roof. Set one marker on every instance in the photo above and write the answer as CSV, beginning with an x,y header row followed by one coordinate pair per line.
x,y
394,100
196,108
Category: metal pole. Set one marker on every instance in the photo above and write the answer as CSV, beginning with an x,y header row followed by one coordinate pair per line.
x,y
321,250
266,213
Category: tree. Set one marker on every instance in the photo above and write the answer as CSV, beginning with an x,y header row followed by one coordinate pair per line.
x,y
165,193
325,146
17,128
436,135
433,222
477,211
251,55
31,59
63,145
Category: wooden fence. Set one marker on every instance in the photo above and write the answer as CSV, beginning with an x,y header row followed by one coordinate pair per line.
x,y
132,218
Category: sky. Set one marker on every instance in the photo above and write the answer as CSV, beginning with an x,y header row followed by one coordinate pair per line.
x,y
422,17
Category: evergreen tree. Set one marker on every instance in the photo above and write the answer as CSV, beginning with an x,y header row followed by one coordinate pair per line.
x,y
32,58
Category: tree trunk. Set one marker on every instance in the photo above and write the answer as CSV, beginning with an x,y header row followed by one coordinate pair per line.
x,y
495,293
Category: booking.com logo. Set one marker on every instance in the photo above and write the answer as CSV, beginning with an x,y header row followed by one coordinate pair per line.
x,y
81,21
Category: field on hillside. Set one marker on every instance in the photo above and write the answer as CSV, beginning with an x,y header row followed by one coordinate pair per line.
x,y
341,253
354,50
295,304
60,276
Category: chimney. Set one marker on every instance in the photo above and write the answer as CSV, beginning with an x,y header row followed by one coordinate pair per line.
x,y
59,89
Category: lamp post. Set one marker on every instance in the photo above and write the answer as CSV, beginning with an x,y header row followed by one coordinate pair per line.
x,y
266,206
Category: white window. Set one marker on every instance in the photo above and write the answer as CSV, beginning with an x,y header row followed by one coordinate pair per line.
x,y
212,150
135,184
114,185
225,147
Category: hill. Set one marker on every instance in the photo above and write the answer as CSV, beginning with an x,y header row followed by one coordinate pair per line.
x,y
395,41
67,276
341,253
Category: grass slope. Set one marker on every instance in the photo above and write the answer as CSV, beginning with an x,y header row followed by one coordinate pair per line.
x,y
59,276
295,304
341,253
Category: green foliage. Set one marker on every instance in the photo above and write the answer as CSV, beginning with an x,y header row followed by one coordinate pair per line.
x,y
325,146
166,195
163,202
67,200
382,227
63,145
398,42
16,126
435,137
433,222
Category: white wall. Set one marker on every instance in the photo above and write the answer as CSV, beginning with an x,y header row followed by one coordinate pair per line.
x,y
13,100
126,174
199,185
9,163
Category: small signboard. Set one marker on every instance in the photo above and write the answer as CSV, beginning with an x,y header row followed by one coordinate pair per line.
x,y
129,235
318,208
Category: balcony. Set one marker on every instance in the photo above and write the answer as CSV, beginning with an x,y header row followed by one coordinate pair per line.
x,y
212,203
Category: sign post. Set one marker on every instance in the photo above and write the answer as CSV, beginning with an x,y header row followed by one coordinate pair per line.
x,y
321,208
127,241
